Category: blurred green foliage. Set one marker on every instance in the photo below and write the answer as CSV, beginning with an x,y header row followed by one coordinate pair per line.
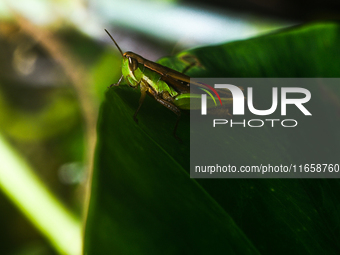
x,y
41,118
143,200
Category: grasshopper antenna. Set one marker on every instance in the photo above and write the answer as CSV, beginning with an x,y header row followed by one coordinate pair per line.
x,y
114,42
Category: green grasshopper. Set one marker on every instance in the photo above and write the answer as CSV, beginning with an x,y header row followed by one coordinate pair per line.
x,y
167,86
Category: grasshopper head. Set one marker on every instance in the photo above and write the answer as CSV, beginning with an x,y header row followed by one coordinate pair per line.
x,y
133,62
130,63
131,71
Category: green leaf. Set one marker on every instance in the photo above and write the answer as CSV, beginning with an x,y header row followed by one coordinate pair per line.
x,y
143,200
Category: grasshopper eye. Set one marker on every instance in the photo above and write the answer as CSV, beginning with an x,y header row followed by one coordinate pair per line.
x,y
133,64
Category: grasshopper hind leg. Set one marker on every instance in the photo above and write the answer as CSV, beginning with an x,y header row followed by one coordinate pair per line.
x,y
174,109
171,107
192,61
163,102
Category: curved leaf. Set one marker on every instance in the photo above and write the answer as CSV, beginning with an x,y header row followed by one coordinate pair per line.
x,y
143,201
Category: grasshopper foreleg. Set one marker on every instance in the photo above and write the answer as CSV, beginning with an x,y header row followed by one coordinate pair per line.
x,y
119,81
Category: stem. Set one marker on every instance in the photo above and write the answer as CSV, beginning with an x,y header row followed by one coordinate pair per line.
x,y
31,196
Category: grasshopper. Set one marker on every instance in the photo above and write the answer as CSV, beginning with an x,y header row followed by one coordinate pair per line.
x,y
167,86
